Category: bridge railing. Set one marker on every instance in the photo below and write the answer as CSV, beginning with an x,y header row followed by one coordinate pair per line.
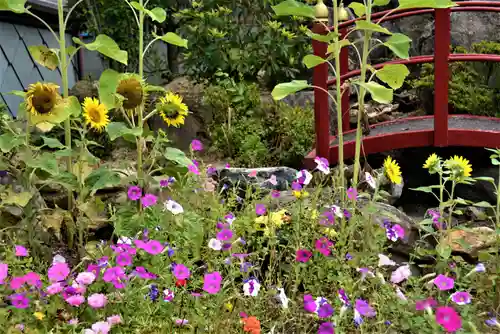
x,y
441,58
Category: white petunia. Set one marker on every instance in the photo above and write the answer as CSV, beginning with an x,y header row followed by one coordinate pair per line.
x,y
384,260
400,274
370,180
306,175
215,244
283,298
251,288
173,207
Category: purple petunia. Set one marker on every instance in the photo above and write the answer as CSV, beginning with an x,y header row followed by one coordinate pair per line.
x,y
461,297
326,328
134,193
225,235
325,310
444,283
19,301
424,304
364,308
212,282
180,271
260,209
352,194
343,297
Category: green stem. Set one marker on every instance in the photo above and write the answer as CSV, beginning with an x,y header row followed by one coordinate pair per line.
x,y
497,212
452,206
140,121
64,78
362,92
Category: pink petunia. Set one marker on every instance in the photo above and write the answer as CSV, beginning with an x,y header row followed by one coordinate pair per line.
x,y
181,272
54,288
153,247
448,318
444,283
212,282
58,272
303,255
323,245
75,300
149,200
85,278
196,145
97,300
134,193
4,272
21,251
32,279
16,282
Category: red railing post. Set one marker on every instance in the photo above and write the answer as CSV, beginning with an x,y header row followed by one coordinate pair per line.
x,y
344,69
442,40
321,103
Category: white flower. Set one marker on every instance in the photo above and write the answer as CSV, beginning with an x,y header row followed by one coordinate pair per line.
x,y
306,175
400,274
480,268
384,260
173,207
124,240
215,244
322,165
283,298
58,259
370,180
400,294
273,180
337,211
251,288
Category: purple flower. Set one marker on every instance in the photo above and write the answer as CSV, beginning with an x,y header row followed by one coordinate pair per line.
x,y
245,266
134,193
212,282
21,251
322,165
225,235
211,170
181,271
4,272
343,297
325,310
123,259
229,218
364,308
352,194
444,283
143,273
296,186
421,305
326,328
153,247
165,183
275,193
302,255
193,168
304,177
348,256
149,200
196,145
260,209
492,322
153,293
19,300
310,304
323,245
461,297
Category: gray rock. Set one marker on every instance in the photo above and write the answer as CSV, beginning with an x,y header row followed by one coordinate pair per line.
x,y
481,190
241,177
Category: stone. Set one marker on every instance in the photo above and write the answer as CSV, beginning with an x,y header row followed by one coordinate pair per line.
x,y
241,177
471,240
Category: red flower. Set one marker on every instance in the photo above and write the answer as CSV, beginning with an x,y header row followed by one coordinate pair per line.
x,y
180,282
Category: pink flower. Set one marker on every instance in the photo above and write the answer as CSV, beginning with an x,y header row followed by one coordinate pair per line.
x,y
97,300
123,259
448,318
17,282
85,278
21,251
193,168
352,193
400,232
153,247
148,200
461,297
181,272
303,255
101,327
196,145
32,279
113,273
19,301
421,305
211,282
323,246
58,272
54,288
401,274
322,164
181,322
444,283
75,300
134,193
79,288
260,209
4,272
114,319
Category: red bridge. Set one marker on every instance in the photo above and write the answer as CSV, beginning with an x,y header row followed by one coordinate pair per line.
x,y
438,130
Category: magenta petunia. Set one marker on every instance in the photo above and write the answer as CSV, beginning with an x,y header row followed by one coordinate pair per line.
x,y
193,168
123,259
181,272
260,209
352,194
21,251
4,272
33,279
113,273
149,200
448,318
17,282
153,247
303,255
143,273
400,232
326,328
58,272
196,145
325,310
444,283
19,300
134,193
310,304
225,235
212,282
323,245
421,305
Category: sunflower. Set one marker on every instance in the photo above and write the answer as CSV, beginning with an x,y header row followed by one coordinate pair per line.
x,y
42,98
392,170
172,110
95,114
432,163
459,167
131,87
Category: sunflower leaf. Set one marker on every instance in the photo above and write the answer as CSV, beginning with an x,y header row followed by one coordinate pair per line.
x,y
119,129
46,162
156,14
294,8
282,90
16,6
102,178
73,105
108,82
172,38
52,142
8,141
379,93
176,155
20,199
106,46
44,56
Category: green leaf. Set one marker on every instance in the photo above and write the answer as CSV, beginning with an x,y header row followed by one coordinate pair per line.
x,y
71,50
444,250
102,178
294,8
174,39
399,44
282,90
12,198
405,4
176,155
65,179
485,178
73,105
108,82
52,142
8,141
46,162
393,74
379,93
106,46
44,56
483,204
152,88
370,26
157,14
381,2
16,6
119,129
358,8
19,93
331,47
495,162
312,61
67,152
322,38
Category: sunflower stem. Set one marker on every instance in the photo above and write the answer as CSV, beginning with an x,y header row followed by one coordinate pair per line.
x,y
140,120
64,77
151,114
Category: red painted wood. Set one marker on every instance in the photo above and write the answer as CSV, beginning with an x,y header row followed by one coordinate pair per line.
x,y
442,40
344,68
321,103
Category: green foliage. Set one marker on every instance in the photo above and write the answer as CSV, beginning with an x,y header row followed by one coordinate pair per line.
x,y
243,39
474,87
254,133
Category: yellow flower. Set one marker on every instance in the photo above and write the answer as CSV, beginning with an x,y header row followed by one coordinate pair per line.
x,y
229,307
279,218
131,87
300,194
432,162
172,109
314,214
331,232
95,114
39,315
42,98
459,166
392,170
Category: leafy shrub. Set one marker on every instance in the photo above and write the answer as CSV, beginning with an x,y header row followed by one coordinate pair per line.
x,y
242,38
473,86
252,132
